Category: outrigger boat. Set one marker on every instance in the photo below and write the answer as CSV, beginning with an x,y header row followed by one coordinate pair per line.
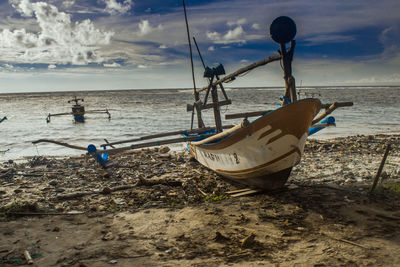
x,y
259,153
78,111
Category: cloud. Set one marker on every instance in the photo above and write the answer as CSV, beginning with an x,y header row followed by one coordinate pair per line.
x,y
113,6
211,48
163,46
256,26
59,40
390,37
238,22
112,65
145,28
232,36
68,3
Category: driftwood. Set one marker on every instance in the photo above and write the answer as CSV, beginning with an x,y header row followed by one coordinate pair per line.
x,y
241,71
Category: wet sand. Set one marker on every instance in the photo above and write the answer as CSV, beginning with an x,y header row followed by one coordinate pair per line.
x,y
158,207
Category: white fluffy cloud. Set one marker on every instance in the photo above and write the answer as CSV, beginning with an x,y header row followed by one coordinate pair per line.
x,y
113,6
145,27
68,3
232,36
59,41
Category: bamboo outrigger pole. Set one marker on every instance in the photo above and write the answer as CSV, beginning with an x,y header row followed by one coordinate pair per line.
x,y
147,137
242,70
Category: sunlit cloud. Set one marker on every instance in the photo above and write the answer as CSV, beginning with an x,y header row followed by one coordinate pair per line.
x,y
232,36
145,27
113,6
59,40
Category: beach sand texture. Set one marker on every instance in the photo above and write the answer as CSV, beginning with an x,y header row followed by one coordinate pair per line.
x,y
157,207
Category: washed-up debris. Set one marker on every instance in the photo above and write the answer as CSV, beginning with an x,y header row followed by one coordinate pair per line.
x,y
147,178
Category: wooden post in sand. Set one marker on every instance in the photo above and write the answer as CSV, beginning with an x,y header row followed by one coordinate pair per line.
x,y
380,168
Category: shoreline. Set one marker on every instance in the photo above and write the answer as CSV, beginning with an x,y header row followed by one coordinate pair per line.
x,y
180,147
158,206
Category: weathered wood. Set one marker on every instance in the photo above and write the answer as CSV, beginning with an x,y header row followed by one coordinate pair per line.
x,y
196,94
329,110
210,105
237,191
245,193
243,70
338,105
59,143
378,174
246,114
162,135
290,85
217,114
150,144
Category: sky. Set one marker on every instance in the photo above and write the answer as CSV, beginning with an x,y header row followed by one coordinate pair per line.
x,y
78,45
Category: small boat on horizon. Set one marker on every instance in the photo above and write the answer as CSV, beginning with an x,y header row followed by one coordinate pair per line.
x,y
78,111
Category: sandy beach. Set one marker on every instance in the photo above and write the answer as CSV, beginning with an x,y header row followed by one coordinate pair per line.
x,y
157,207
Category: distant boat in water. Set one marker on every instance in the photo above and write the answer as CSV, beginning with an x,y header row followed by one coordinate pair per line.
x,y
78,111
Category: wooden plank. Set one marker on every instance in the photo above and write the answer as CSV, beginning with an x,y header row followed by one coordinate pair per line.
x,y
242,70
245,193
210,105
237,191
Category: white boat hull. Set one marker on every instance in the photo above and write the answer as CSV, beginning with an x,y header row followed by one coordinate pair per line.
x,y
262,153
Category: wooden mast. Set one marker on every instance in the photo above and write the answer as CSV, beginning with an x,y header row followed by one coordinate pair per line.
x,y
196,94
283,30
290,84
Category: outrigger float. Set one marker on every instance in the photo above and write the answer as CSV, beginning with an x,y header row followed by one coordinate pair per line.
x,y
259,153
78,111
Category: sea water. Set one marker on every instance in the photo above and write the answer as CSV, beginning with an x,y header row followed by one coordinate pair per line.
x,y
136,113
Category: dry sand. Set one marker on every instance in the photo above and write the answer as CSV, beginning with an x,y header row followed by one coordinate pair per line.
x,y
160,208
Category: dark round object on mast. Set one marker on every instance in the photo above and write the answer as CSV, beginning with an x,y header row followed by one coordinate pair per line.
x,y
283,30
